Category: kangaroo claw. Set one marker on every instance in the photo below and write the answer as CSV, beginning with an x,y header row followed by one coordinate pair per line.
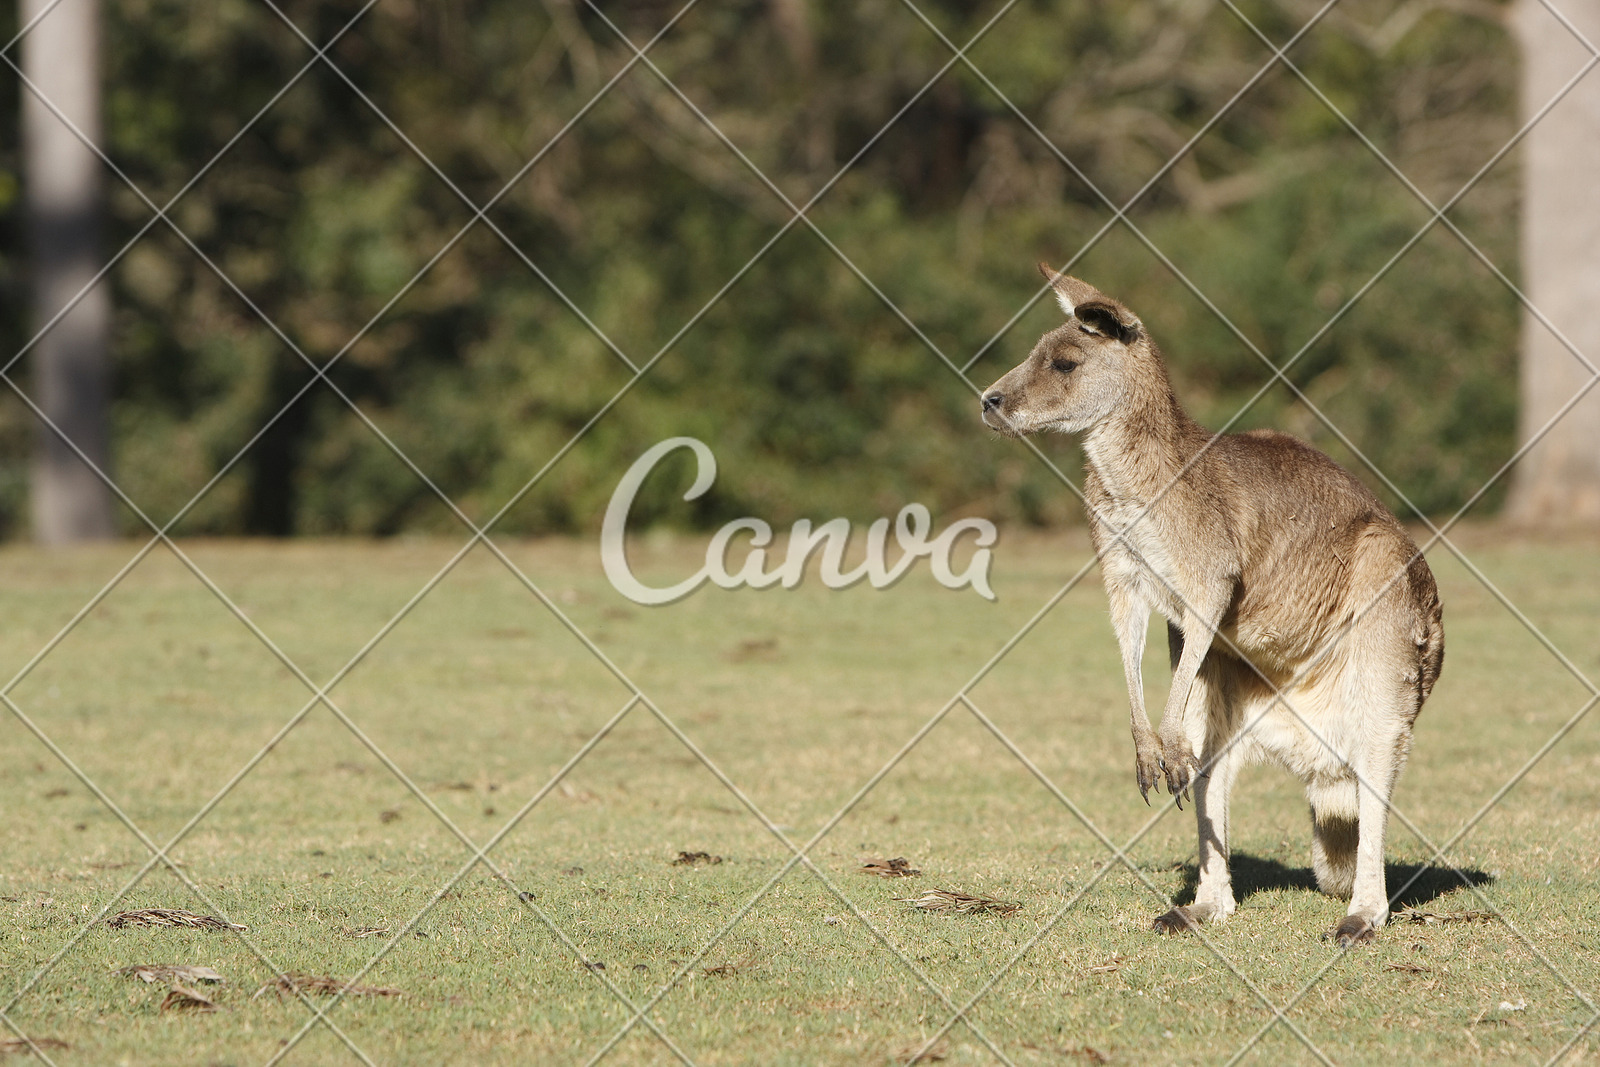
x,y
1148,766
1181,769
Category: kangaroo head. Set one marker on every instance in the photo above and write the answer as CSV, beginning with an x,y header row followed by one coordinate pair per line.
x,y
1078,373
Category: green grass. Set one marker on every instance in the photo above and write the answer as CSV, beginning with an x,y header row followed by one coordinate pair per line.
x,y
480,695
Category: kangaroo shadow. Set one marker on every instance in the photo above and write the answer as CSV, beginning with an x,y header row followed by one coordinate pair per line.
x,y
1417,884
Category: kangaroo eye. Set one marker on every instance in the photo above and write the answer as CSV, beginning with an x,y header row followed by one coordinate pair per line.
x,y
1065,366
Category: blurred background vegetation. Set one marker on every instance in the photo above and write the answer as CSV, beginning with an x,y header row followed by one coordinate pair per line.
x,y
816,397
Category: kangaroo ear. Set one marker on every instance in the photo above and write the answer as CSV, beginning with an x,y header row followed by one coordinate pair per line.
x,y
1095,311
1057,283
1108,320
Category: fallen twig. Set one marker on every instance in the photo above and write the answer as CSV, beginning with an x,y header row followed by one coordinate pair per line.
x,y
170,917
17,1044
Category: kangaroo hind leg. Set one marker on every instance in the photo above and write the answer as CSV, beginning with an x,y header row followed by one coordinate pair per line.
x,y
1335,834
1212,720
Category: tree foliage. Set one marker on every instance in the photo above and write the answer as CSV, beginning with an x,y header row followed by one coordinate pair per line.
x,y
817,396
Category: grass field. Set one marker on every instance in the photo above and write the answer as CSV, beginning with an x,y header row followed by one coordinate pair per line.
x,y
480,695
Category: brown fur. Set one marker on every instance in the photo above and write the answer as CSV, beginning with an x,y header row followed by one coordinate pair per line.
x,y
1277,570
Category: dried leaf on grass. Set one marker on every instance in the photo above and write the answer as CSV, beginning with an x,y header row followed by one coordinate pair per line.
x,y
763,648
1412,915
1110,966
44,1044
171,972
1086,1052
898,867
1409,968
182,998
689,859
915,1053
170,917
314,983
960,903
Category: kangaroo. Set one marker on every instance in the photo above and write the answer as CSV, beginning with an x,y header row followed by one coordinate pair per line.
x,y
1261,552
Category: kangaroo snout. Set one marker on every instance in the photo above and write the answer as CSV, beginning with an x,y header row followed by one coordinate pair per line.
x,y
994,414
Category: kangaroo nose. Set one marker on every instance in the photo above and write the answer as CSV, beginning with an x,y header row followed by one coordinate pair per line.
x,y
992,401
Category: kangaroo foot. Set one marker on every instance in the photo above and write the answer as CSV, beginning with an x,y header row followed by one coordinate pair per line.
x,y
1352,930
1177,921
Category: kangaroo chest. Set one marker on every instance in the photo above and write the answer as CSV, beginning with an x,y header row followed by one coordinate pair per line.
x,y
1141,560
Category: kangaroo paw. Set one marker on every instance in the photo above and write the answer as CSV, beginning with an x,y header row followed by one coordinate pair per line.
x,y
1352,930
1177,921
1181,768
